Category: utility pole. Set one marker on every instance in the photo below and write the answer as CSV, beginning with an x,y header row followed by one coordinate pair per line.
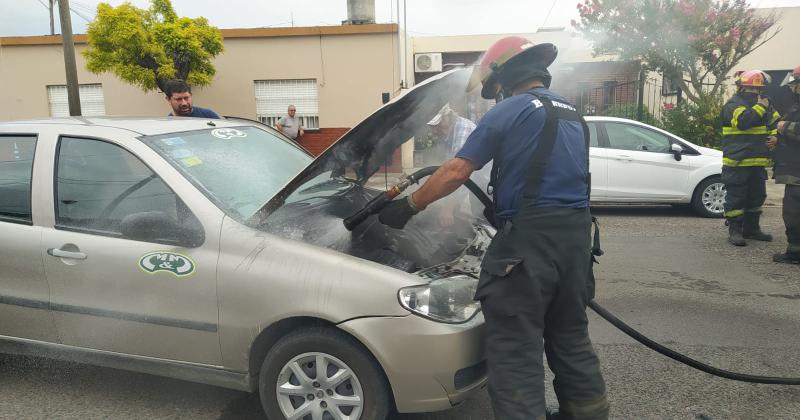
x,y
52,20
69,59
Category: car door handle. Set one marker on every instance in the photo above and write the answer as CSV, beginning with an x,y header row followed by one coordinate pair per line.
x,y
623,157
66,254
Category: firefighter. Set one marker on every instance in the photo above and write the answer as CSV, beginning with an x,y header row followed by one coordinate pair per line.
x,y
536,276
787,171
747,122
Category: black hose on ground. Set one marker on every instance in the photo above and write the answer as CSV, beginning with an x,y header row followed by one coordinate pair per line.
x,y
672,354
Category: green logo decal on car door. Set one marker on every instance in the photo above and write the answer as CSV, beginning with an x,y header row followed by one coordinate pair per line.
x,y
177,264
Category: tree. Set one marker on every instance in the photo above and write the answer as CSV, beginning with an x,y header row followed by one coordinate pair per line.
x,y
694,42
149,47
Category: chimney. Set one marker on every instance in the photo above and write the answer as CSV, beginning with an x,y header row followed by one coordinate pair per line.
x,y
360,12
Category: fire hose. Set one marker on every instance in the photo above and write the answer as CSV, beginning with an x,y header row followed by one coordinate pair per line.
x,y
380,201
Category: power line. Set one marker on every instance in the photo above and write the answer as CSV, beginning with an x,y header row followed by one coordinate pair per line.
x,y
43,5
544,24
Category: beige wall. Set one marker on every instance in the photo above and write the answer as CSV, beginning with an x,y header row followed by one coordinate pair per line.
x,y
351,69
781,52
25,72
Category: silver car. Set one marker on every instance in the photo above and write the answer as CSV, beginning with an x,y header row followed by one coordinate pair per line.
x,y
214,251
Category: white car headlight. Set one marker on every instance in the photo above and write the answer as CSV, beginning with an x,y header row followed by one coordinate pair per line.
x,y
447,300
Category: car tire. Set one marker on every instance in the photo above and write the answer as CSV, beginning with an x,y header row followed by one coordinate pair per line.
x,y
709,197
342,354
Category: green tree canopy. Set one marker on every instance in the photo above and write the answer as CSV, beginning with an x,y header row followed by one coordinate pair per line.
x,y
694,42
149,47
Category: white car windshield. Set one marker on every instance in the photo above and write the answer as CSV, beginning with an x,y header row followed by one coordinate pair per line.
x,y
239,168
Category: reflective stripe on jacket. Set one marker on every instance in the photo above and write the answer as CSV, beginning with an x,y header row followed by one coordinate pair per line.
x,y
745,127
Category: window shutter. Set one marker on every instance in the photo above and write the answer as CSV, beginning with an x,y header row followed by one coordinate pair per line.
x,y
91,97
273,97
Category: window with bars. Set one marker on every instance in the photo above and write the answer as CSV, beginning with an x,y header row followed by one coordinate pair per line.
x,y
273,98
91,96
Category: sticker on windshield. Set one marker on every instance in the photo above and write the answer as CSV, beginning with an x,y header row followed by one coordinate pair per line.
x,y
170,262
173,141
181,153
227,133
191,161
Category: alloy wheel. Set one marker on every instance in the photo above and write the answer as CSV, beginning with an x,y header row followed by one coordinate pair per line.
x,y
318,386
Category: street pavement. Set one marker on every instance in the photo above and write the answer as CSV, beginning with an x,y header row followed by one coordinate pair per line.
x,y
667,273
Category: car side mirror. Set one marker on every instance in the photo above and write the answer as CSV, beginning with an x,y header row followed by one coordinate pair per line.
x,y
156,226
677,151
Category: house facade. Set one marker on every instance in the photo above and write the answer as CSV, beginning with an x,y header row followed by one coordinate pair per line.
x,y
334,75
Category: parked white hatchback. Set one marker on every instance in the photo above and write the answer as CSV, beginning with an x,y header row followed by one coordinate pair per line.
x,y
632,162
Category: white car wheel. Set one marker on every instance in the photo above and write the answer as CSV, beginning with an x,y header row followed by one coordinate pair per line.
x,y
709,198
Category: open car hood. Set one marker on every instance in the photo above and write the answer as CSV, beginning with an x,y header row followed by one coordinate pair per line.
x,y
363,150
334,186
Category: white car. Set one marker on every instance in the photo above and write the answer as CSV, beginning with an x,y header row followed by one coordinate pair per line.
x,y
632,162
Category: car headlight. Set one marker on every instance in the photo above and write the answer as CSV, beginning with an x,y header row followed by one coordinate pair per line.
x,y
447,300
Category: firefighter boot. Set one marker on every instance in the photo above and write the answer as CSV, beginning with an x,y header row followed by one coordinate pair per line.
x,y
752,228
735,226
791,256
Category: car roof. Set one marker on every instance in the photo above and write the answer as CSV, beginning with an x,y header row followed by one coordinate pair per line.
x,y
140,125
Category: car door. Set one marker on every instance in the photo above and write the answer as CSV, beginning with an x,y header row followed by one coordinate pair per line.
x,y
24,295
598,164
119,282
641,165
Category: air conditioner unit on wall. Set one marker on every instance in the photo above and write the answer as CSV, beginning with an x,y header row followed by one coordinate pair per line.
x,y
428,62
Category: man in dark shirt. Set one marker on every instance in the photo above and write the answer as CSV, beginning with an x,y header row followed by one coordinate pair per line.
x,y
179,96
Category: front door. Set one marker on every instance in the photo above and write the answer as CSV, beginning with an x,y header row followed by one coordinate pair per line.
x,y
641,166
24,296
149,297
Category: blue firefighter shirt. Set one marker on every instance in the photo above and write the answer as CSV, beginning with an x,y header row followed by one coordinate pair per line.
x,y
509,134
198,112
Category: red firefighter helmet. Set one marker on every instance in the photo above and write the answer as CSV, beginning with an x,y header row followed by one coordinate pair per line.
x,y
506,53
753,78
792,77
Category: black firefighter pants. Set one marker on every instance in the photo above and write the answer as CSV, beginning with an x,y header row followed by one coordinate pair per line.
x,y
746,190
791,216
535,284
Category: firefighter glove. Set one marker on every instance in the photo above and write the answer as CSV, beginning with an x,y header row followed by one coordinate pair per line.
x,y
397,213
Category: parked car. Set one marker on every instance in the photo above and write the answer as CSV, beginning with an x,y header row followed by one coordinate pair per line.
x,y
632,162
214,251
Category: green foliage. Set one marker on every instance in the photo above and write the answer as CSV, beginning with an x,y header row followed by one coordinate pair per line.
x,y
148,47
702,40
423,140
630,111
697,122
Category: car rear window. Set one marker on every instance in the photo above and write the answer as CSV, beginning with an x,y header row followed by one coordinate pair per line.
x,y
16,172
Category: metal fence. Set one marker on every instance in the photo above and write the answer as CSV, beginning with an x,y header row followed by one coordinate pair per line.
x,y
643,100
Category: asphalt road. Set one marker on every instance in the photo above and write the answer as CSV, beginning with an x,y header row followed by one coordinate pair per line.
x,y
665,272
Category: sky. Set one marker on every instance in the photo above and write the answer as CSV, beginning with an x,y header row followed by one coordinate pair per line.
x,y
423,17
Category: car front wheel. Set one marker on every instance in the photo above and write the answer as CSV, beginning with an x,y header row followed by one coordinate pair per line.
x,y
322,374
709,198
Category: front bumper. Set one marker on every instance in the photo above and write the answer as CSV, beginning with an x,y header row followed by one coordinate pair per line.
x,y
430,366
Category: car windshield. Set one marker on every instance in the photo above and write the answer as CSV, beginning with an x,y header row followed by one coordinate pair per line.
x,y
238,168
